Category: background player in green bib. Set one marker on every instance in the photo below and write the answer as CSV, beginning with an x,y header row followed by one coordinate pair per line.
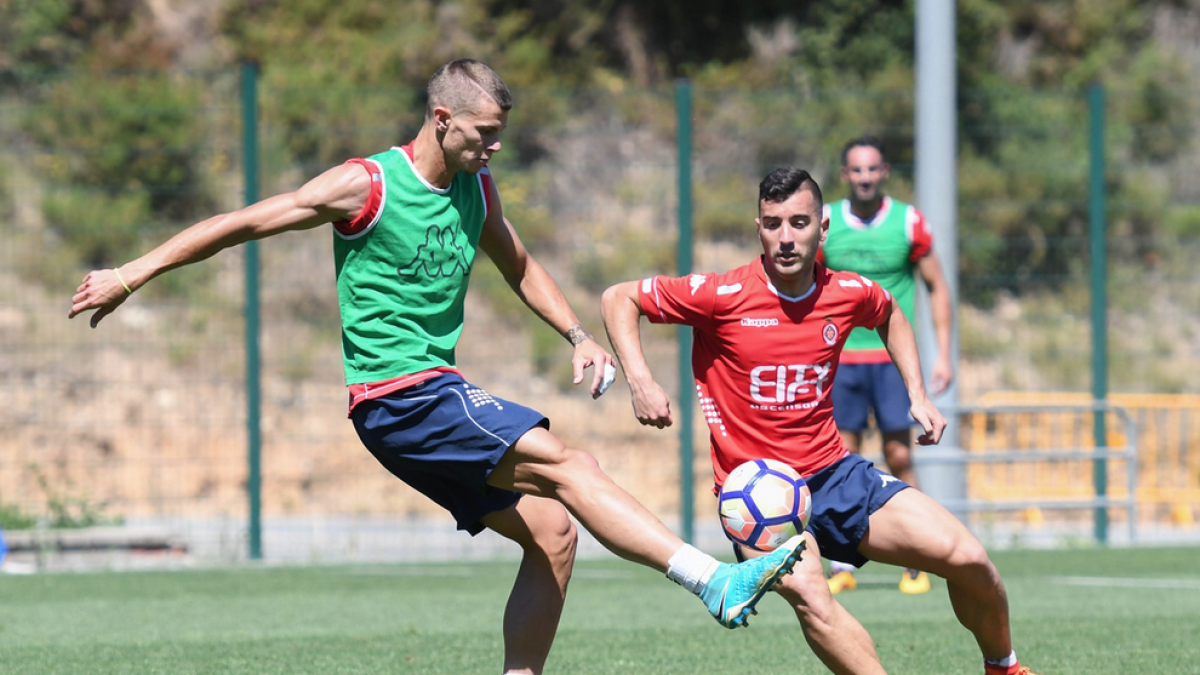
x,y
888,242
407,225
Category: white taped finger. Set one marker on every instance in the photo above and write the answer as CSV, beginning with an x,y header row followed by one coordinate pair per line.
x,y
610,374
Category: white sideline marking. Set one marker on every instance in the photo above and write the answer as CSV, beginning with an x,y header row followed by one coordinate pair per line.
x,y
1118,582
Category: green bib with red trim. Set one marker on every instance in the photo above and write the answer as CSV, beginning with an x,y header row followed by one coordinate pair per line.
x,y
402,275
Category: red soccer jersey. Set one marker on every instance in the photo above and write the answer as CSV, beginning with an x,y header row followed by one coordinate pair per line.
x,y
764,362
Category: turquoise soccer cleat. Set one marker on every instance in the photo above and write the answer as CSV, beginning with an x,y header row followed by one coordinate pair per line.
x,y
734,589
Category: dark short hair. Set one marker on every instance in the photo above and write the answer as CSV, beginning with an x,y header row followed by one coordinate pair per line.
x,y
864,141
782,183
459,84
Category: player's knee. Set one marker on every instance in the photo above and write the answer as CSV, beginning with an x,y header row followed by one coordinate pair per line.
x,y
970,563
561,467
898,458
579,465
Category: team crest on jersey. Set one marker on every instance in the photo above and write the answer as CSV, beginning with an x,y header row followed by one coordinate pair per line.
x,y
830,333
439,256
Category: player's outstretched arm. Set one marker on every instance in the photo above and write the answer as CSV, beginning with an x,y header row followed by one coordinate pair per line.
x,y
538,290
897,334
622,320
338,194
941,308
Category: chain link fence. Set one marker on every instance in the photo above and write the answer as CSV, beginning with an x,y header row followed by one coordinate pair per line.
x,y
141,423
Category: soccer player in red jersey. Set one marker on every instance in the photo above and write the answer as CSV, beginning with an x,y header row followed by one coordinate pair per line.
x,y
767,339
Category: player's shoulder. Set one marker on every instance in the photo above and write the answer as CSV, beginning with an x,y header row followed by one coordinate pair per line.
x,y
719,283
721,287
830,277
910,212
844,282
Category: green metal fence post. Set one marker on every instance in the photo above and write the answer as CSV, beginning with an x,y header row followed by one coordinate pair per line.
x,y
253,386
685,407
1099,262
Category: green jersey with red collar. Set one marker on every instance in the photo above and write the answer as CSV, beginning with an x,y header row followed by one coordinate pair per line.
x,y
403,265
886,250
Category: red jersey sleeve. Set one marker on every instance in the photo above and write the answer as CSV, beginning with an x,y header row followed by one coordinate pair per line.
x,y
371,210
685,300
919,235
875,305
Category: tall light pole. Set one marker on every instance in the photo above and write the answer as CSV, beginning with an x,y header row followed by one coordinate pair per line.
x,y
942,475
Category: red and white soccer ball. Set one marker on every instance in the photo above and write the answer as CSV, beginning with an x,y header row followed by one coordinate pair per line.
x,y
763,503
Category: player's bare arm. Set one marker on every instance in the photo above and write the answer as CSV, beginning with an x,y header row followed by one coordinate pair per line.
x,y
538,290
337,194
622,320
941,308
901,343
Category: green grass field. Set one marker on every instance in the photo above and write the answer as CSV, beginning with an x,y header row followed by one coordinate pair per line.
x,y
1075,612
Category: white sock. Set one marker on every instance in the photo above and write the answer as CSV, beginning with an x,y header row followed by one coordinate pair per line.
x,y
691,568
836,567
1006,662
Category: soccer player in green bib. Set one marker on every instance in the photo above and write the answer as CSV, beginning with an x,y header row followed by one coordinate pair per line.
x,y
407,224
888,242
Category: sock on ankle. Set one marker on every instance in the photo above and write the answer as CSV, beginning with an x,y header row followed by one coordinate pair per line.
x,y
1006,662
835,567
691,568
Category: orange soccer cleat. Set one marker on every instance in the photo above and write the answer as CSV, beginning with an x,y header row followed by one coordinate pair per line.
x,y
914,582
842,581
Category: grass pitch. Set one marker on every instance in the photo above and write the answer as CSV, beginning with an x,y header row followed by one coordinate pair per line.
x,y
1074,612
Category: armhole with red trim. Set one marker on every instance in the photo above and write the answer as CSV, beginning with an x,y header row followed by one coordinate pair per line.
x,y
485,186
920,238
369,216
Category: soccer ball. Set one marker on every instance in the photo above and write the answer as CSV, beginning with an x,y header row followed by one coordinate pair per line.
x,y
764,503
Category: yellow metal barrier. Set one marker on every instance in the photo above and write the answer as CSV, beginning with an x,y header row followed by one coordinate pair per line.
x,y
1168,472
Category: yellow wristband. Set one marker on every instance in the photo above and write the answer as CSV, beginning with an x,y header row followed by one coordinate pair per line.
x,y
127,288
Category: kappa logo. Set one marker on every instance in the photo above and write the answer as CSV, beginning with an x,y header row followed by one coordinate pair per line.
x,y
884,479
760,323
439,256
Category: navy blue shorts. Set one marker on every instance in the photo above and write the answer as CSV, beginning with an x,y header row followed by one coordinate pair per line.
x,y
444,437
860,387
844,495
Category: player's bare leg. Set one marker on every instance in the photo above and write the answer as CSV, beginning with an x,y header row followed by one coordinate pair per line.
x,y
897,454
548,540
912,530
852,440
539,464
834,635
